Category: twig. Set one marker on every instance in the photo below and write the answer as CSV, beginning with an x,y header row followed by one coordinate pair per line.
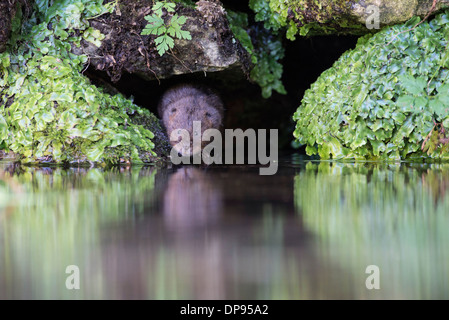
x,y
146,56
88,64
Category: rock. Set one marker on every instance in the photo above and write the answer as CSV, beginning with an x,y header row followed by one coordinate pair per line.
x,y
212,48
319,17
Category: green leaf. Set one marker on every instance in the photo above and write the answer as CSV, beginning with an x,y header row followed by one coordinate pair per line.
x,y
119,139
439,107
3,128
404,131
413,85
171,31
95,152
57,151
164,43
182,34
378,147
311,150
169,6
5,60
46,116
67,120
61,97
332,148
179,19
406,103
157,8
398,117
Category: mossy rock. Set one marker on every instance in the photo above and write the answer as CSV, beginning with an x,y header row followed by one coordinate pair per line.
x,y
383,99
322,17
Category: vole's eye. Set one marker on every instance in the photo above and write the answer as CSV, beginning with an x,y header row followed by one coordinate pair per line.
x,y
173,110
208,114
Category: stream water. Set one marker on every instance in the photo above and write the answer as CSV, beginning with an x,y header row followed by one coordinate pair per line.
x,y
225,232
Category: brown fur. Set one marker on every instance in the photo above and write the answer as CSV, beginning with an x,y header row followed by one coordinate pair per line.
x,y
183,104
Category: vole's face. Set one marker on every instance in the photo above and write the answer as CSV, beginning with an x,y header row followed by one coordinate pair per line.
x,y
182,114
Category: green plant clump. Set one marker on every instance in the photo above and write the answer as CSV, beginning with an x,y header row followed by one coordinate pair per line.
x,y
275,15
265,49
264,10
165,31
48,110
382,99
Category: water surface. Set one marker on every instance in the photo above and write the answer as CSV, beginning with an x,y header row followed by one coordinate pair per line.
x,y
225,232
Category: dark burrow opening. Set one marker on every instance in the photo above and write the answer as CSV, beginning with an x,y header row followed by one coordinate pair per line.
x,y
305,59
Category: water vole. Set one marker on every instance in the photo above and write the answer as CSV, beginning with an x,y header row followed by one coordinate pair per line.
x,y
183,104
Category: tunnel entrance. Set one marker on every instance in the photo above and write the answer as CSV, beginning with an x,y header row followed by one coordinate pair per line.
x,y
305,59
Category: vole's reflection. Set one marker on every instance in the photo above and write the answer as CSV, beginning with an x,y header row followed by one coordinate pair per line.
x,y
192,198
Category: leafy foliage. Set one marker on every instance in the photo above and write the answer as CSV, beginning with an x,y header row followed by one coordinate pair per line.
x,y
165,32
380,100
265,13
266,51
48,110
275,13
238,22
268,71
305,17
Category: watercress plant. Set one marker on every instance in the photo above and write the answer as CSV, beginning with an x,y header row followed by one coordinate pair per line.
x,y
49,111
383,99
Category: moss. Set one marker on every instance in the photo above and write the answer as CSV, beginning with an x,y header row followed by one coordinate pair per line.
x,y
320,17
49,111
381,100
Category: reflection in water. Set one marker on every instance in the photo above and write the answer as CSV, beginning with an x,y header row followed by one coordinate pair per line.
x,y
392,216
192,198
170,255
50,219
227,237
225,232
